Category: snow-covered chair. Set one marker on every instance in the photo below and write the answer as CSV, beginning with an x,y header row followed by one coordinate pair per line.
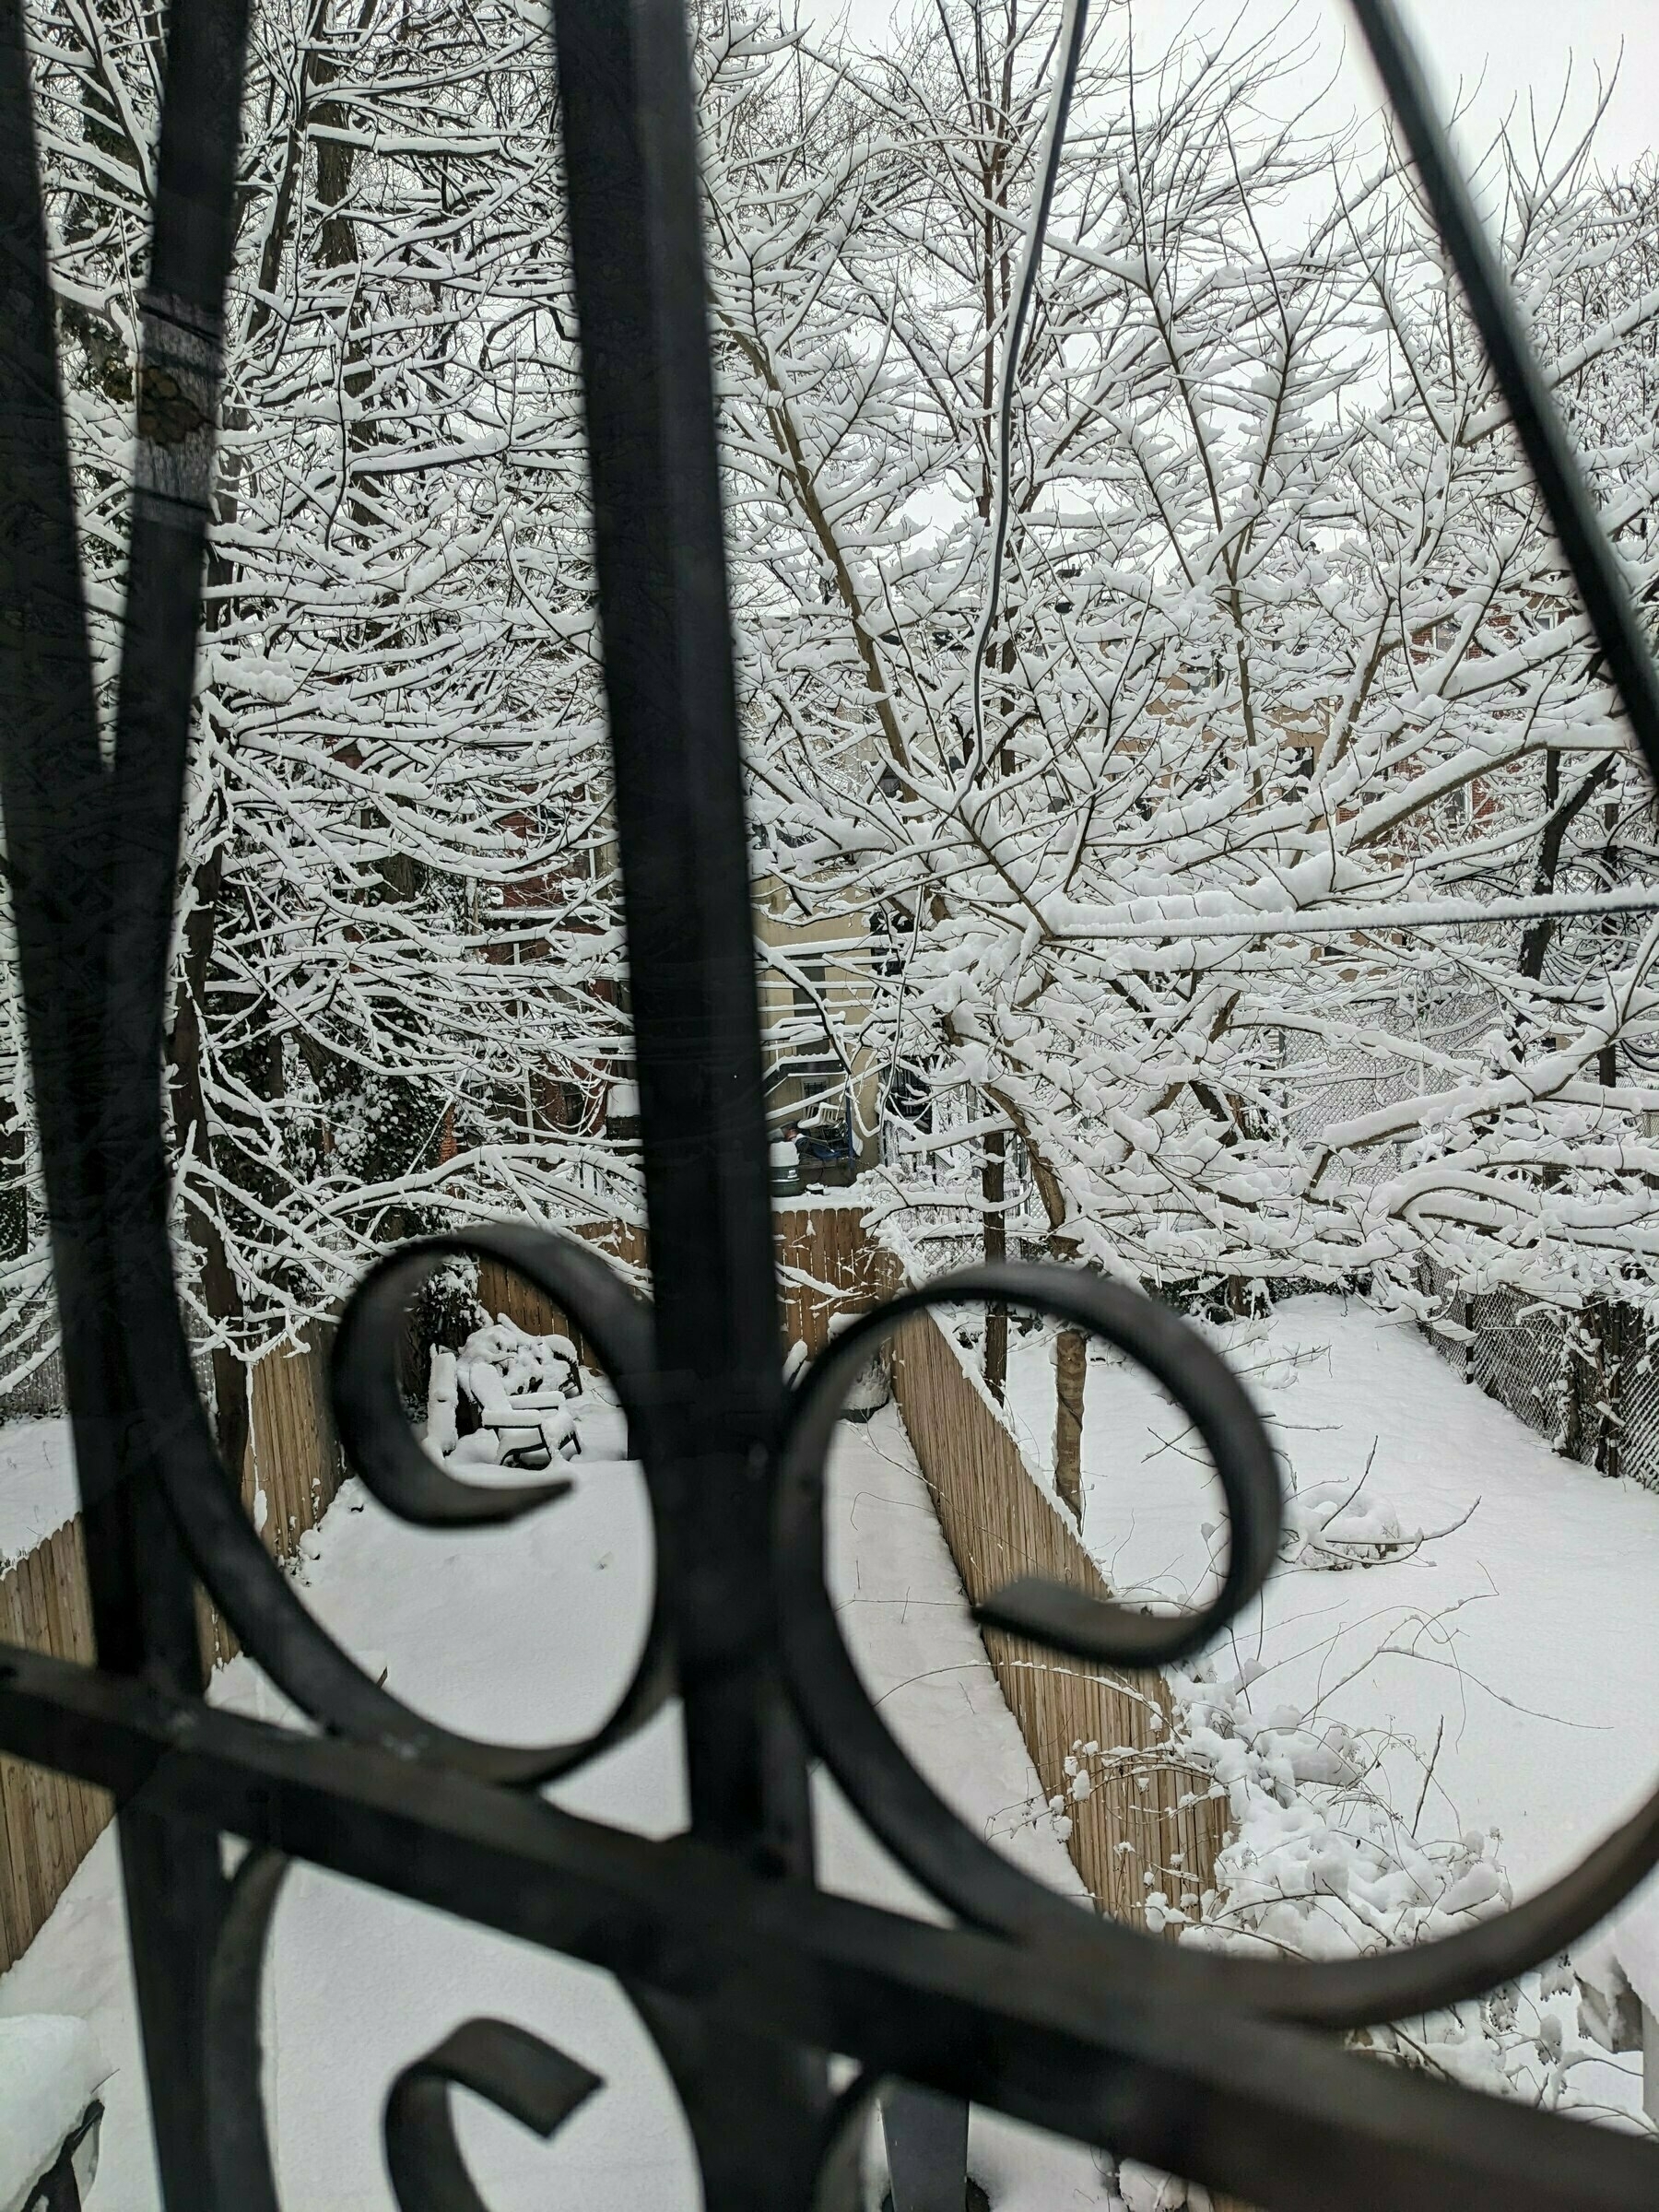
x,y
509,1399
50,2076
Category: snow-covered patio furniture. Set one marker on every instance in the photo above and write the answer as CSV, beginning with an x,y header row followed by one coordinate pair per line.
x,y
508,1399
50,2075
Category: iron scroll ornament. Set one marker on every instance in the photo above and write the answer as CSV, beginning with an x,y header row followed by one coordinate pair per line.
x,y
1201,2064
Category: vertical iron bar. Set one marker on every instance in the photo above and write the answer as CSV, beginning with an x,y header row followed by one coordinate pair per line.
x,y
635,223
58,831
178,386
926,2135
631,177
1590,553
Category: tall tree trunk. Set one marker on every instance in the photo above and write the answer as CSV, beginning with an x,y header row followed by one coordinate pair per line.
x,y
1071,1375
14,1185
221,1294
1535,944
1071,1345
992,1181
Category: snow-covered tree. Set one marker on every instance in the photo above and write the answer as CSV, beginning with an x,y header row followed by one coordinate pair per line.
x,y
1150,701
1154,658
399,976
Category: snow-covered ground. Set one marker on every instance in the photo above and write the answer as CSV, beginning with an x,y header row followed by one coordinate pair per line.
x,y
525,1633
1506,1668
37,1484
1522,1639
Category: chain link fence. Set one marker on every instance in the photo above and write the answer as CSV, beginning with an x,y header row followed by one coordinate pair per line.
x,y
1328,1081
1586,1379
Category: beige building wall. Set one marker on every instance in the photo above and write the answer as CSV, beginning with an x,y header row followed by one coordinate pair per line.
x,y
814,986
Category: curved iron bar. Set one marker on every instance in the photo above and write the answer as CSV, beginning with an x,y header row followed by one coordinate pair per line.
x,y
1167,1349
840,2174
528,2079
374,1430
239,2145
178,386
960,1867
263,1606
1276,2114
63,853
745,1974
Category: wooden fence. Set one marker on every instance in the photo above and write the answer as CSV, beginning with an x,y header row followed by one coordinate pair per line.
x,y
1146,1814
47,1823
294,1465
825,1266
506,1296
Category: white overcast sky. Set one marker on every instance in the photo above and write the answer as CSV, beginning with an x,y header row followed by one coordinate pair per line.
x,y
1514,48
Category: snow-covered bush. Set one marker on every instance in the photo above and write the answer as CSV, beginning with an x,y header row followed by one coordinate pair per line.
x,y
1338,1525
1318,1865
1321,1864
1145,2189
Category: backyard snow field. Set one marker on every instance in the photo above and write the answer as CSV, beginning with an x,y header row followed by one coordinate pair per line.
x,y
1528,1629
528,1634
1524,1639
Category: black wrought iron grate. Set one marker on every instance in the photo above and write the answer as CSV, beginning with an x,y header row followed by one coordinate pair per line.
x,y
745,1972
